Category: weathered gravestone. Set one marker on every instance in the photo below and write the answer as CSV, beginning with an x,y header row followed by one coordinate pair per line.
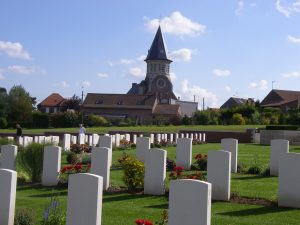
x,y
81,138
155,172
184,153
8,157
142,147
279,147
84,199
8,185
219,174
289,180
106,142
101,164
231,145
51,165
189,202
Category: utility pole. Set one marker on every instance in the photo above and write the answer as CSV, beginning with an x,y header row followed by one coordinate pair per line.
x,y
81,105
203,104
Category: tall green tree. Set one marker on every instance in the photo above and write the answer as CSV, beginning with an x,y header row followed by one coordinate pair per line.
x,y
20,105
3,102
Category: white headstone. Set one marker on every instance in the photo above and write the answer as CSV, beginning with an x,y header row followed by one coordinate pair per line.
x,y
67,142
192,136
106,142
81,138
8,157
51,165
118,138
196,136
95,138
127,137
289,180
279,147
90,141
155,172
142,147
158,137
101,164
152,138
181,135
41,139
36,139
171,138
134,138
74,139
8,185
189,202
184,153
84,199
219,174
204,137
200,137
141,135
86,138
176,137
10,138
231,145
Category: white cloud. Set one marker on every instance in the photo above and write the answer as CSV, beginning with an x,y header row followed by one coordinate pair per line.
x,y
102,75
21,69
64,84
293,39
227,88
141,58
86,84
14,50
221,72
177,24
183,54
261,85
173,76
136,72
126,61
291,74
287,9
187,92
239,8
1,76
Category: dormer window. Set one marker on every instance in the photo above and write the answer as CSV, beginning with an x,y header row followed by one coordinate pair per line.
x,y
99,101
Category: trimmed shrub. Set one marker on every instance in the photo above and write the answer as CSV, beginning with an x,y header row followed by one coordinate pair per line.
x,y
170,164
238,119
282,127
73,158
255,169
133,173
65,119
40,120
30,160
201,161
94,120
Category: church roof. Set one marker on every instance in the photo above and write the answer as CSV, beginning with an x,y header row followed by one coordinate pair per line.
x,y
157,50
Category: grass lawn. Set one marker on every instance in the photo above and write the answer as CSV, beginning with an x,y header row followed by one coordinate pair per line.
x,y
138,129
124,208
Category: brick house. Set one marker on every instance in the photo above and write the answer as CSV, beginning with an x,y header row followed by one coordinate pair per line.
x,y
52,104
282,99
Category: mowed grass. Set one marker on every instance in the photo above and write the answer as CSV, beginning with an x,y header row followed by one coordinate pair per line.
x,y
144,129
124,208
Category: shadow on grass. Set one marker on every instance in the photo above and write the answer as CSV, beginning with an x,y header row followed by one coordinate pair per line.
x,y
251,177
111,197
160,206
54,193
256,211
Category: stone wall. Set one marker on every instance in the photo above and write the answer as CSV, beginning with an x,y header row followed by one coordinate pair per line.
x,y
291,135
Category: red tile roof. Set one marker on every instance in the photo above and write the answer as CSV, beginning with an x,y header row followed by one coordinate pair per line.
x,y
54,99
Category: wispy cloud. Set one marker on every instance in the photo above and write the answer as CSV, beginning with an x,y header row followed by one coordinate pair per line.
x,y
126,61
103,75
287,9
14,50
136,72
183,54
292,39
227,88
291,75
64,84
86,84
239,8
221,72
173,76
21,69
187,92
177,24
261,85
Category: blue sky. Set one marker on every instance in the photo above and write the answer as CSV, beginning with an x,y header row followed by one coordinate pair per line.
x,y
219,48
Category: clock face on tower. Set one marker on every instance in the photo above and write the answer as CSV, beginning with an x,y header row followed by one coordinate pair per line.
x,y
160,83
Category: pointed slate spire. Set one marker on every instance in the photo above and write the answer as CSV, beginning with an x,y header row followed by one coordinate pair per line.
x,y
157,50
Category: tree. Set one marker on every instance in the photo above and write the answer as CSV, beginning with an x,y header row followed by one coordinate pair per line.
x,y
73,103
3,102
20,105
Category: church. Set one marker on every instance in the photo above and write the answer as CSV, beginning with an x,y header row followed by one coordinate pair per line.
x,y
145,102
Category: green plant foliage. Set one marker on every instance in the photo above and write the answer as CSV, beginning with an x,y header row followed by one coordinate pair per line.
x,y
256,167
94,120
238,119
73,158
53,214
30,160
65,119
24,217
133,173
40,120
3,122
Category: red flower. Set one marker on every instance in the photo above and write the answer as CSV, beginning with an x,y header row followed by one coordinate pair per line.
x,y
171,174
63,170
148,222
139,222
178,168
89,166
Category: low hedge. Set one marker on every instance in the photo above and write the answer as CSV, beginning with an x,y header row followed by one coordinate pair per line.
x,y
282,127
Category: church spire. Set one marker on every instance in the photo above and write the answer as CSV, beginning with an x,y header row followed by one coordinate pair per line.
x,y
157,50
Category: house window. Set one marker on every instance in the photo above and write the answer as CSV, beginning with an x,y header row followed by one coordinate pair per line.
x,y
99,101
163,68
120,102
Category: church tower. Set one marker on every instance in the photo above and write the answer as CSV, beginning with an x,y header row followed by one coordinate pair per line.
x,y
158,64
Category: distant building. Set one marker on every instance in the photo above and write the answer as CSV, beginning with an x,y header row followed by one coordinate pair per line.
x,y
148,100
282,99
52,104
233,102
